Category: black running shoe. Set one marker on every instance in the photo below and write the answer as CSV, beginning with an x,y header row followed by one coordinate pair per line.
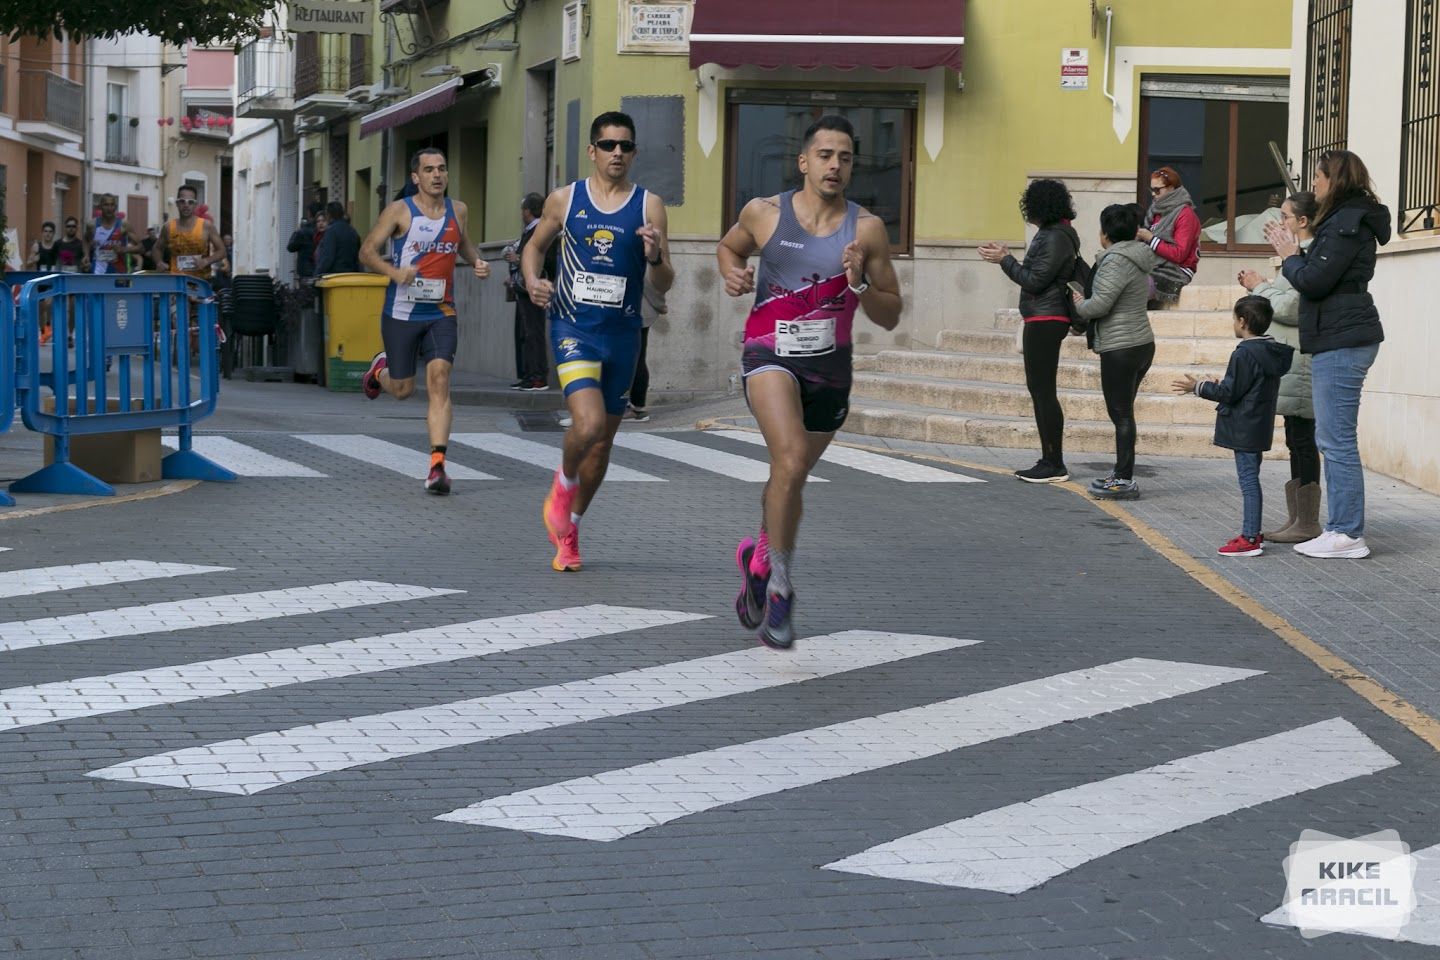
x,y
437,483
750,601
1044,472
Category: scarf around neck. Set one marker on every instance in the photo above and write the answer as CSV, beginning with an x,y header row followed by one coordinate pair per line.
x,y
1167,209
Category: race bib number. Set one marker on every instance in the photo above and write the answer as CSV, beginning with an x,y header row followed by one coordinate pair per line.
x,y
423,290
804,338
599,289
188,261
107,256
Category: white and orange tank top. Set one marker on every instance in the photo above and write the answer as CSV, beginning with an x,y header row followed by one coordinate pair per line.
x,y
430,245
107,253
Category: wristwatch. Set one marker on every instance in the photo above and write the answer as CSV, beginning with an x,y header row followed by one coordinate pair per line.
x,y
864,285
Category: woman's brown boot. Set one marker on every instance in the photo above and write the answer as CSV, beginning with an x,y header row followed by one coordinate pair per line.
x,y
1290,487
1307,517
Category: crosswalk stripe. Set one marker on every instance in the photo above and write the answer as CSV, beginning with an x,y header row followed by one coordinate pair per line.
x,y
891,467
540,454
206,612
694,455
93,696
262,762
622,802
24,583
387,455
243,460
1015,848
1424,923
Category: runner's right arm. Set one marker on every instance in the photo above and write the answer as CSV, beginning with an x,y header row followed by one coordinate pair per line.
x,y
740,243
532,258
385,228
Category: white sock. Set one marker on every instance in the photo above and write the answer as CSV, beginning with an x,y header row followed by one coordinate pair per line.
x,y
569,483
780,571
575,519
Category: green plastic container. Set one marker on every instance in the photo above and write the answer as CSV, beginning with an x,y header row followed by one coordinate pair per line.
x,y
344,376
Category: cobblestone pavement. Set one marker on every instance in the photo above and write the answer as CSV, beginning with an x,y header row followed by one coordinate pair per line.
x,y
321,715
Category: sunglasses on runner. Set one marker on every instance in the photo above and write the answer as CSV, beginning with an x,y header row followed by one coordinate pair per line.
x,y
606,146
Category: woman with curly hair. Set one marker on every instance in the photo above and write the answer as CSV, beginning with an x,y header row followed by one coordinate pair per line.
x,y
1048,265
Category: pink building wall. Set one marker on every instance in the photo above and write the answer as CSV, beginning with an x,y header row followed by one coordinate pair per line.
x,y
210,68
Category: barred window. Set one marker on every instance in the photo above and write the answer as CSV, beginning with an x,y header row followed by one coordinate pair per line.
x,y
1420,132
1327,72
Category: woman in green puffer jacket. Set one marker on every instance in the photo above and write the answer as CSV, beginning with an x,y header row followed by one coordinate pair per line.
x,y
1302,492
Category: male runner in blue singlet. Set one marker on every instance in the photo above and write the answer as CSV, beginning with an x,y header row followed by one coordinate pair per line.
x,y
821,258
611,232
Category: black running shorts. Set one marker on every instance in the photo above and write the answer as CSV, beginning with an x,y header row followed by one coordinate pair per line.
x,y
824,382
409,343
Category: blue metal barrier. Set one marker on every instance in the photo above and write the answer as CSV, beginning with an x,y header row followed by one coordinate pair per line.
x,y
7,373
137,325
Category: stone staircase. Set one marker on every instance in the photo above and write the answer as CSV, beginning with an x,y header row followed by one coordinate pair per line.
x,y
971,389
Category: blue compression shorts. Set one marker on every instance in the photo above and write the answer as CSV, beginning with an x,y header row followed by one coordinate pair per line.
x,y
603,361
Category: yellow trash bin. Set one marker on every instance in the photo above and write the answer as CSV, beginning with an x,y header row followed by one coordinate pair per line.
x,y
352,303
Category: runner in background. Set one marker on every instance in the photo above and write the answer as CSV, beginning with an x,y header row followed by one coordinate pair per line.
x,y
422,235
111,238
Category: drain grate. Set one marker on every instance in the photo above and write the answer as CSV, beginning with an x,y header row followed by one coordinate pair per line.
x,y
539,421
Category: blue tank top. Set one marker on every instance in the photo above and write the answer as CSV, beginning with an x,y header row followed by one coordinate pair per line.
x,y
602,264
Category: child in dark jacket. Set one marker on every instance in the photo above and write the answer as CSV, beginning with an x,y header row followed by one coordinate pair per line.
x,y
1245,415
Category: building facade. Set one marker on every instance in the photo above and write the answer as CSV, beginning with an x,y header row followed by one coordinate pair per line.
x,y
42,130
126,126
1366,74
957,105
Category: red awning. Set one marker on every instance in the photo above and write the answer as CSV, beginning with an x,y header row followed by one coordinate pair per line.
x,y
434,100
830,33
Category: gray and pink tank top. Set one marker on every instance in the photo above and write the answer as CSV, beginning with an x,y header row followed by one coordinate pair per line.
x,y
803,303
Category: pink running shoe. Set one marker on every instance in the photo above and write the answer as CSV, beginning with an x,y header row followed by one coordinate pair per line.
x,y
556,512
370,383
567,553
750,601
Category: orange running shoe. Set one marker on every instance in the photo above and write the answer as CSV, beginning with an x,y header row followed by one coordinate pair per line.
x,y
567,554
557,510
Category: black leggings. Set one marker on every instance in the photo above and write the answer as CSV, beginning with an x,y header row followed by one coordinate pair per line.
x,y
1304,455
1041,344
1120,374
640,383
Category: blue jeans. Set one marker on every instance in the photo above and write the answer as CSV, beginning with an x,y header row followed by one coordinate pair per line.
x,y
1247,468
1337,377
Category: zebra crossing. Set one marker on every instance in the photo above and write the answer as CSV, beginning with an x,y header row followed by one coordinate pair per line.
x,y
1011,849
638,458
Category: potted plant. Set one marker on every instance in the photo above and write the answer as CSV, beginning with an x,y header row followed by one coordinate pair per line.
x,y
134,121
112,117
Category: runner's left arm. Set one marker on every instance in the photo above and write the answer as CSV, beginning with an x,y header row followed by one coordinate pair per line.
x,y
867,258
216,246
468,250
657,243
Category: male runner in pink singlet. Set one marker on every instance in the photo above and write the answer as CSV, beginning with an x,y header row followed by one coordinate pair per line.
x,y
821,258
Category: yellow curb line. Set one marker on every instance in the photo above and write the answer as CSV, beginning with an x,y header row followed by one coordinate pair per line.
x,y
1385,700
178,486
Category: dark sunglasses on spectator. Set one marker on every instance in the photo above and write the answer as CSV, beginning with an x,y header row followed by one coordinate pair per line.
x,y
605,146
1155,191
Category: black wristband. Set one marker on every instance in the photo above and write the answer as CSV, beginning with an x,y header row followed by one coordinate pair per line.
x,y
657,262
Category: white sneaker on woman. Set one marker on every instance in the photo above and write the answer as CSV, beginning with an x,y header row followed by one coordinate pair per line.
x,y
1332,544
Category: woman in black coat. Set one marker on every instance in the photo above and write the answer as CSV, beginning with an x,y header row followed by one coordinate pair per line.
x,y
1340,329
1049,264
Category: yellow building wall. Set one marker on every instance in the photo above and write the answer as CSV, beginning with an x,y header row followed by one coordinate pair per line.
x,y
1011,119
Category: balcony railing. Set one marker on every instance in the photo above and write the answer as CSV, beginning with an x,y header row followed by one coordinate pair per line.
x,y
120,141
263,71
47,97
321,75
359,60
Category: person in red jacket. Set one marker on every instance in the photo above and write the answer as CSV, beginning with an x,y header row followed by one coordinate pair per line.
x,y
1174,234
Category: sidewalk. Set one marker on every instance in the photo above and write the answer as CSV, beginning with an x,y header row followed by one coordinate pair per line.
x,y
1381,614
